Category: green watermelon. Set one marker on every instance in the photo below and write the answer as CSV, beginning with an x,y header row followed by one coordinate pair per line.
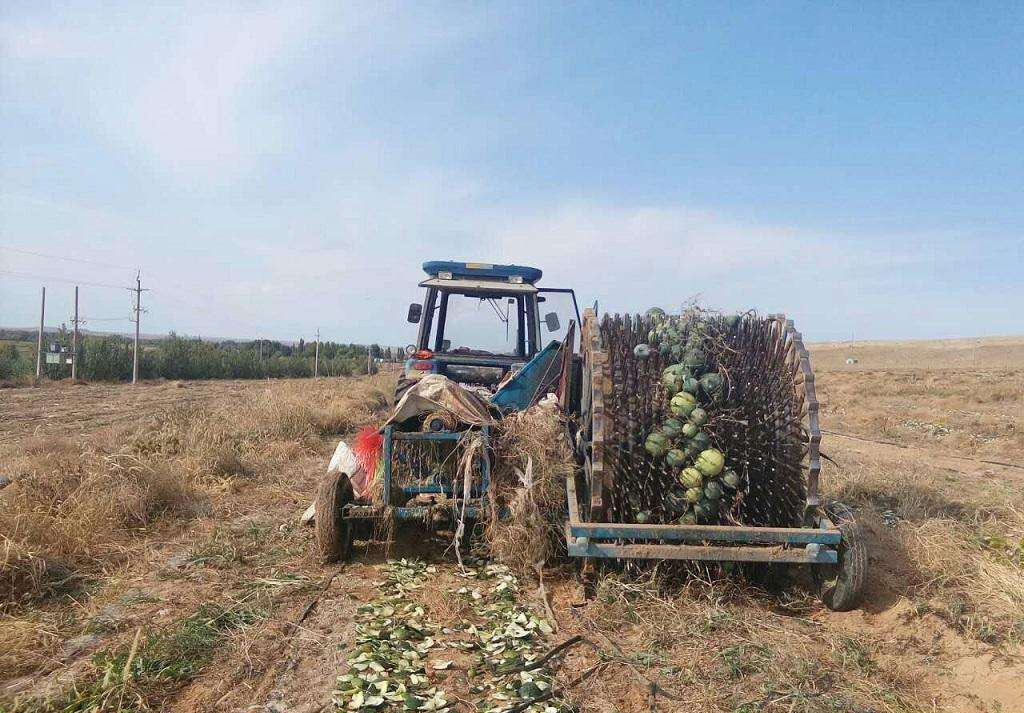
x,y
642,517
682,404
693,495
657,444
713,491
698,416
672,428
689,429
688,519
731,479
693,359
710,462
701,440
691,477
675,458
711,382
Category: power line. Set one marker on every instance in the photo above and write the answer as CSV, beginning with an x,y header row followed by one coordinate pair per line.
x,y
31,276
63,257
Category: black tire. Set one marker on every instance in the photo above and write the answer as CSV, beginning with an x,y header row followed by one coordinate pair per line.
x,y
334,532
841,586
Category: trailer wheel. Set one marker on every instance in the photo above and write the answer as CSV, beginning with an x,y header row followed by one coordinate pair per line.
x,y
841,586
334,532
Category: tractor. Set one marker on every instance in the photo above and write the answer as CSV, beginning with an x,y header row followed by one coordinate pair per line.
x,y
480,327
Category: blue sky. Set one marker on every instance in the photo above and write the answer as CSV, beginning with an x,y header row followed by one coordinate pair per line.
x,y
277,168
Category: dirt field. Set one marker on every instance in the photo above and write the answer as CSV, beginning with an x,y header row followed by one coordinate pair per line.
x,y
151,558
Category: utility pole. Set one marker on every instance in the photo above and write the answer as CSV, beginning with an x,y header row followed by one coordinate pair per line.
x,y
316,357
74,340
137,309
369,362
39,340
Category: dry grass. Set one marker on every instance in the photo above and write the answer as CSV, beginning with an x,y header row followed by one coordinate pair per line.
x,y
974,413
73,508
944,539
716,646
528,486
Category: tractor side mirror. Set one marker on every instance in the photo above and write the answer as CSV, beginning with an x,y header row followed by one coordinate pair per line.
x,y
415,311
551,321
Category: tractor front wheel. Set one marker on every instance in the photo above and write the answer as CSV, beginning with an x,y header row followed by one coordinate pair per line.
x,y
841,586
334,531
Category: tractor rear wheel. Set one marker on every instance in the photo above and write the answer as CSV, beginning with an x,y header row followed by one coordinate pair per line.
x,y
841,585
334,532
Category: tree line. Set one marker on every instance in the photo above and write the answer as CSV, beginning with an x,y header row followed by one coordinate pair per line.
x,y
109,358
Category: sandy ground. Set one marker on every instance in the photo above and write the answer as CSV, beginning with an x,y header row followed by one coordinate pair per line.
x,y
250,542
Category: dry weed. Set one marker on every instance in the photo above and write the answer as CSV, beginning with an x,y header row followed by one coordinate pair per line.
x,y
72,508
527,493
947,537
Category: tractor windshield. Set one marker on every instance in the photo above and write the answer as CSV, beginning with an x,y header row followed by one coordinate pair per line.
x,y
470,324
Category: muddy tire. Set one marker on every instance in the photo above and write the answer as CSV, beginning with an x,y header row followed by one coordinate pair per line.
x,y
841,586
334,532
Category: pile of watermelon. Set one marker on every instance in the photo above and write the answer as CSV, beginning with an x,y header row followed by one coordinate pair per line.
x,y
703,488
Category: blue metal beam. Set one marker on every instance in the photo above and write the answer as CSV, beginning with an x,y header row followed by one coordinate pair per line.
x,y
704,533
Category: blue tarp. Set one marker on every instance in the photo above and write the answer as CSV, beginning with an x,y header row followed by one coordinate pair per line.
x,y
519,392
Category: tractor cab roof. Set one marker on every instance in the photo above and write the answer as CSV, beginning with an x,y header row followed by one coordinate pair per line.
x,y
479,271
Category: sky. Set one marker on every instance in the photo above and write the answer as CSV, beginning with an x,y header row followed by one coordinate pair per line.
x,y
274,169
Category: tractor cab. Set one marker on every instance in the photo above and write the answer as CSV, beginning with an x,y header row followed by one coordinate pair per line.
x,y
479,321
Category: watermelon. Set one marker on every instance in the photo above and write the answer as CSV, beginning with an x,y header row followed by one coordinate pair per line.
x,y
711,382
731,479
690,385
710,462
698,416
701,441
688,519
641,351
672,428
693,359
688,430
682,404
656,313
642,517
691,478
693,495
713,491
675,458
657,444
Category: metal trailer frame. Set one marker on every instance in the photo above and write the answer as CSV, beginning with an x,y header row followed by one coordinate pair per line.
x,y
588,535
421,513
